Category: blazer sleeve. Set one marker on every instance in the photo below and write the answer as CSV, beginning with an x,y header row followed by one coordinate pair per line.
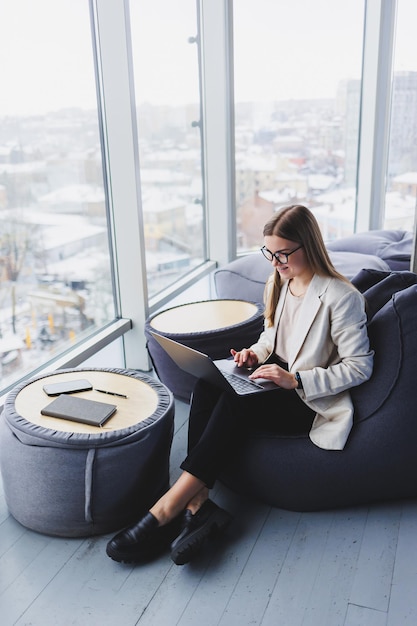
x,y
265,344
350,359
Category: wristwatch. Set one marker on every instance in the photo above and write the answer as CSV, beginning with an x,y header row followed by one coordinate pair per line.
x,y
299,381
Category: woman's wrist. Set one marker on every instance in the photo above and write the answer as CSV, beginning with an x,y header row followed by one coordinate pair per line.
x,y
298,380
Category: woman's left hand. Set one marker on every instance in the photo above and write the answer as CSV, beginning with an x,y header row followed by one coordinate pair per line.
x,y
277,374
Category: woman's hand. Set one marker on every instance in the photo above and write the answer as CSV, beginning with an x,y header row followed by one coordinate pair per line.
x,y
277,374
244,358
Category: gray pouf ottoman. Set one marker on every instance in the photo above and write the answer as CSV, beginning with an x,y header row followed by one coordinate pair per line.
x,y
210,326
69,479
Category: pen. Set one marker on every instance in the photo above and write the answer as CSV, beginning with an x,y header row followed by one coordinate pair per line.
x,y
111,393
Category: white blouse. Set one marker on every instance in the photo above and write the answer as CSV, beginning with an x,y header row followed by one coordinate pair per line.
x,y
286,324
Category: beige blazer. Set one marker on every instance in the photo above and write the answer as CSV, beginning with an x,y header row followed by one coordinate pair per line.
x,y
330,349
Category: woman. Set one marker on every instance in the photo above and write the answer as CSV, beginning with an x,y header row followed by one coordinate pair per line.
x,y
314,348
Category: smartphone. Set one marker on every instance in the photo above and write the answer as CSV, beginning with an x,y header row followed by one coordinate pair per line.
x,y
67,386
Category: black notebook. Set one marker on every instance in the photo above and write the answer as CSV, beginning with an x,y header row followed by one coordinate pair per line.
x,y
77,409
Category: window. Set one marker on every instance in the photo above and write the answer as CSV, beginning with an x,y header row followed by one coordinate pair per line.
x,y
297,106
55,271
166,74
401,180
298,88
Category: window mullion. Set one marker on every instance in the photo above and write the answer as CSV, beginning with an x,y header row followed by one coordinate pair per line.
x,y
375,110
115,59
218,124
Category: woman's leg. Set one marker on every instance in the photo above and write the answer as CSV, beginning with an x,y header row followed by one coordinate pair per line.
x,y
203,402
216,421
187,489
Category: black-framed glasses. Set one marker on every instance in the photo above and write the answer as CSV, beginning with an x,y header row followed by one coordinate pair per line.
x,y
280,257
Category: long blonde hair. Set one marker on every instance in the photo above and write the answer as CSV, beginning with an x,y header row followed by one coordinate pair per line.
x,y
298,224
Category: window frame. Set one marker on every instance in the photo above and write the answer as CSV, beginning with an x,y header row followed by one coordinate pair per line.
x,y
373,142
111,39
216,41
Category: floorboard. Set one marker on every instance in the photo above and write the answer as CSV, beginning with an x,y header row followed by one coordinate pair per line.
x,y
336,569
251,595
295,583
373,579
361,616
403,598
351,567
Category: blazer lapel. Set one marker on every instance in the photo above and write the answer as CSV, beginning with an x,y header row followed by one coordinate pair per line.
x,y
309,309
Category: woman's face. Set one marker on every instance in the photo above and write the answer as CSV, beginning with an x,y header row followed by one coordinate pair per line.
x,y
296,266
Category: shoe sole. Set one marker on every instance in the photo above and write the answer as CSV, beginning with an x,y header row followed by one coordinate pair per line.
x,y
130,555
132,558
192,543
129,558
140,557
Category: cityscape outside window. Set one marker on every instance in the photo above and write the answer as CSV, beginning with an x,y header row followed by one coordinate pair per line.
x,y
167,92
401,179
55,271
297,86
297,95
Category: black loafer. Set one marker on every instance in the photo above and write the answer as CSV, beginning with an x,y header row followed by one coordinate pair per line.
x,y
143,541
209,521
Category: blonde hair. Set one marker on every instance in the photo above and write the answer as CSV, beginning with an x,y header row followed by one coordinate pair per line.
x,y
298,224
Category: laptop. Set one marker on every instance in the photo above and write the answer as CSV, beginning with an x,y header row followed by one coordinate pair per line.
x,y
223,372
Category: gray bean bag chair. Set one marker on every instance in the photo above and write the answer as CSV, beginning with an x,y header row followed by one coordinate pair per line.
x,y
392,246
245,277
379,461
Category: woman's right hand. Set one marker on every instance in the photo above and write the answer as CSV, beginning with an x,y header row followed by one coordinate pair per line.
x,y
244,358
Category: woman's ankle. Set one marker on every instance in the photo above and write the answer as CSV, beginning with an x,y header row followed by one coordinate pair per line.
x,y
166,509
177,498
163,515
197,502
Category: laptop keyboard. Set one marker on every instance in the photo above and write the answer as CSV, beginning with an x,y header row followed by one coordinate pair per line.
x,y
241,384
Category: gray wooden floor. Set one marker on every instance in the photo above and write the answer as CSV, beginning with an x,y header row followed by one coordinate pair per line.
x,y
356,567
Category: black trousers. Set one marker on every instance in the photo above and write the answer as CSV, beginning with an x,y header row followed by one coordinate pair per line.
x,y
219,419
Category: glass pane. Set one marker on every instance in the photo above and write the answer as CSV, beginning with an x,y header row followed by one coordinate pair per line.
x,y
401,189
55,273
168,109
297,91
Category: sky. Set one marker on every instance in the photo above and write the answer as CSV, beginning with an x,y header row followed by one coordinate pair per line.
x,y
283,49
45,56
299,50
304,48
